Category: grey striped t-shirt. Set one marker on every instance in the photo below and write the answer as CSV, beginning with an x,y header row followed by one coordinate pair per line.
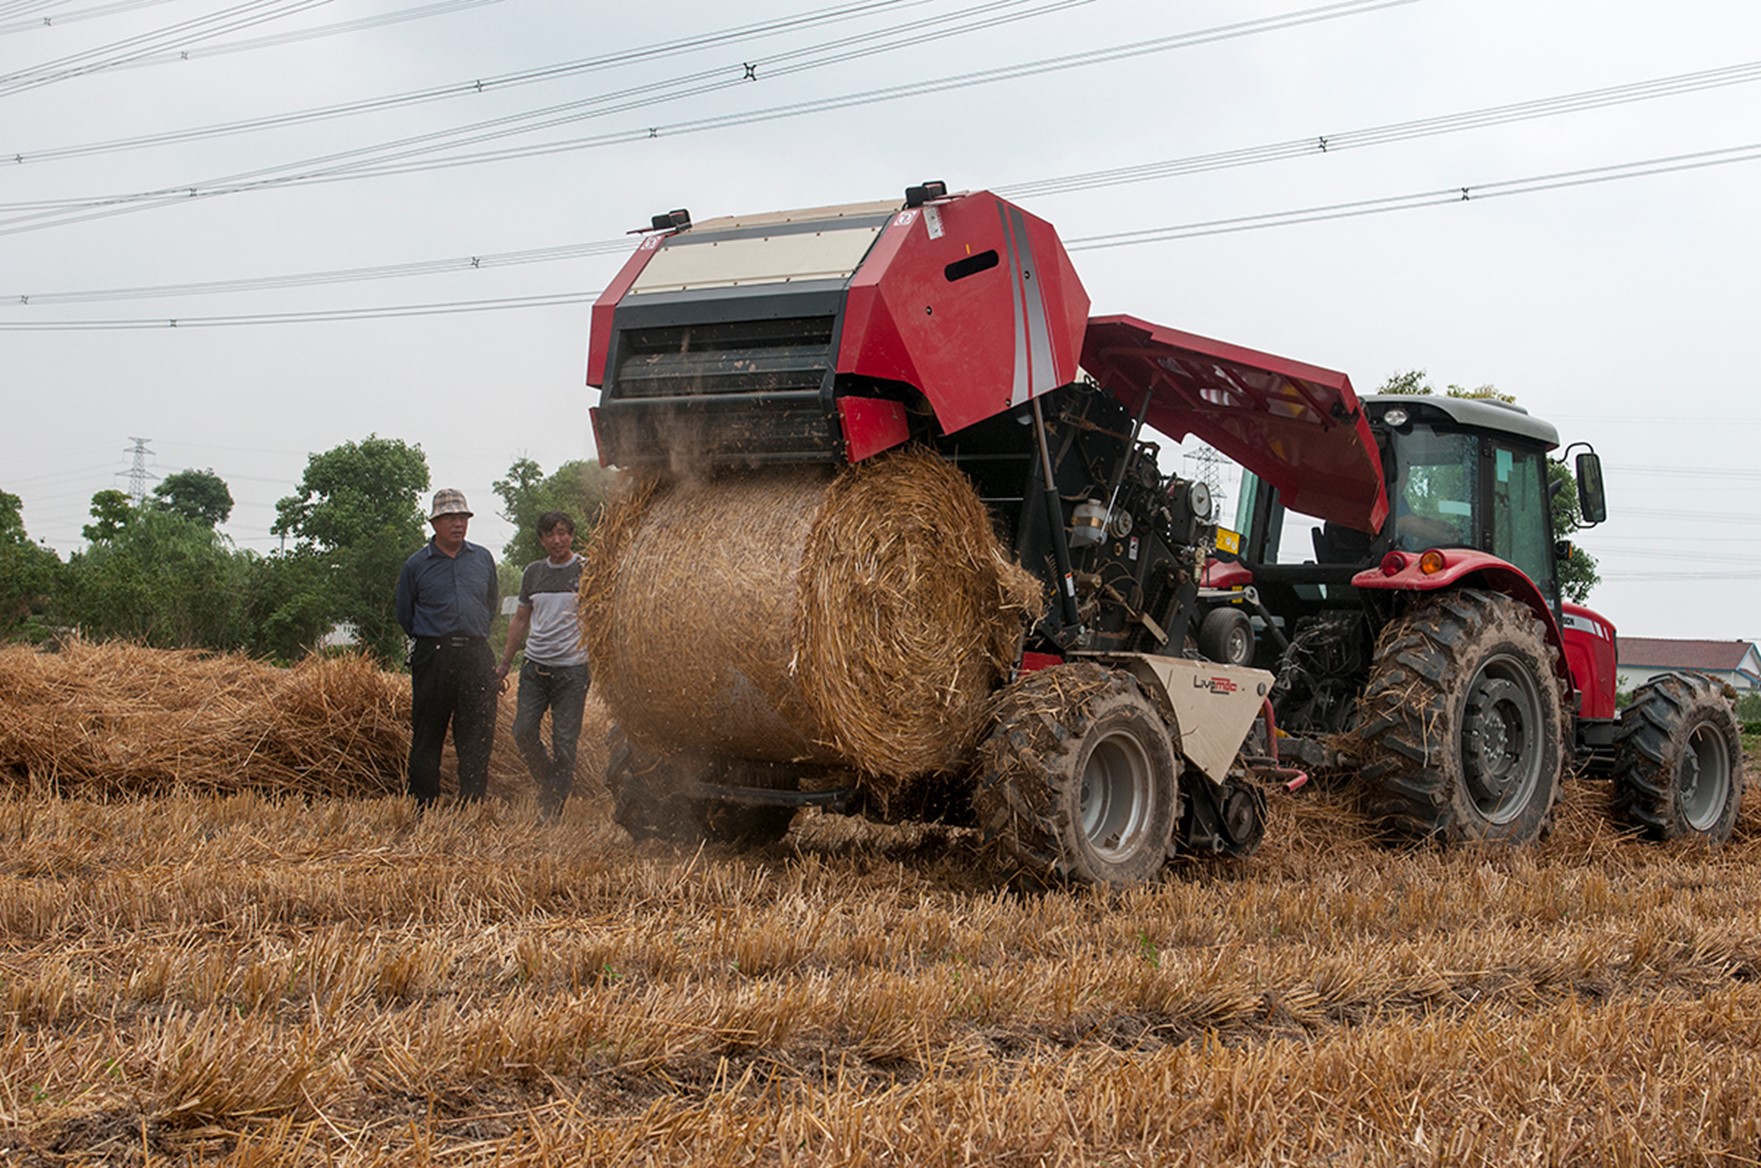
x,y
549,590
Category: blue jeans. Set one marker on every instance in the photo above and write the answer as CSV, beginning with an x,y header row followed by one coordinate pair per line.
x,y
562,689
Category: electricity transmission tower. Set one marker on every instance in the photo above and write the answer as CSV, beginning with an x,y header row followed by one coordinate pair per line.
x,y
138,474
1207,469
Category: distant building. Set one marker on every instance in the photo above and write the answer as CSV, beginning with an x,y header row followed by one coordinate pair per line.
x,y
342,635
1735,662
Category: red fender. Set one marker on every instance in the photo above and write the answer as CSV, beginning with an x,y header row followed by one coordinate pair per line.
x,y
1590,649
1467,568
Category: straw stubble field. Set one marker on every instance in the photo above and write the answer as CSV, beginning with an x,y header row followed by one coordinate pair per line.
x,y
276,975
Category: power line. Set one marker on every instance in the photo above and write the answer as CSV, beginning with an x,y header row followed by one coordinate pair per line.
x,y
1432,198
1531,185
1568,103
479,85
1722,576
1590,99
337,28
499,304
71,17
1678,517
245,15
618,246
20,7
1693,472
402,157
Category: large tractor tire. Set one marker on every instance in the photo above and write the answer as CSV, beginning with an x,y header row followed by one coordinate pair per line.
x,y
651,800
1079,779
1678,760
1462,722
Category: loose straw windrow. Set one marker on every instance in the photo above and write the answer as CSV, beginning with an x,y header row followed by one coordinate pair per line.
x,y
114,720
858,619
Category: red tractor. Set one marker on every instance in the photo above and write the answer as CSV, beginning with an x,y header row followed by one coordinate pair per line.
x,y
1417,617
956,323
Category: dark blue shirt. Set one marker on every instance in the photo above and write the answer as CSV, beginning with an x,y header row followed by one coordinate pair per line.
x,y
447,596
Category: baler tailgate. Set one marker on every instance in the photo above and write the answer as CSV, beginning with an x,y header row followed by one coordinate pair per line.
x,y
1297,426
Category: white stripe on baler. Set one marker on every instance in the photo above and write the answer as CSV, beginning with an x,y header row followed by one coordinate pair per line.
x,y
1042,376
1020,387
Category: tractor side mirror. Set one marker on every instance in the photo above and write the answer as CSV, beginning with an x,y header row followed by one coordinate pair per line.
x,y
1591,503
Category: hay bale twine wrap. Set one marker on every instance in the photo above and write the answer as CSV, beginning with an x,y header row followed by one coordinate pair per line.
x,y
856,620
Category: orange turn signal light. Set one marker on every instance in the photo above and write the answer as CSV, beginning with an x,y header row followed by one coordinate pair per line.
x,y
1432,562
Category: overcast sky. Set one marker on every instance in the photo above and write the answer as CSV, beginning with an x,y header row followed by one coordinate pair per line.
x,y
1622,310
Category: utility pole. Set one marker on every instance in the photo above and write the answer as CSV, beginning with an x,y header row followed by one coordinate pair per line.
x,y
138,474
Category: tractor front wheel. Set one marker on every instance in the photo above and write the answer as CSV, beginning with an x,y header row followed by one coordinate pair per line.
x,y
1678,760
1462,722
1079,778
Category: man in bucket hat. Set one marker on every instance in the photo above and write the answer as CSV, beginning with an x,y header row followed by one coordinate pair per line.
x,y
446,596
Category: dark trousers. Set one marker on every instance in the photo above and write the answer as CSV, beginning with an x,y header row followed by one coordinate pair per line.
x,y
562,689
452,679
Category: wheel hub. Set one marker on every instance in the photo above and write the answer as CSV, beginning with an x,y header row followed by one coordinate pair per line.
x,y
1500,742
1704,781
1116,798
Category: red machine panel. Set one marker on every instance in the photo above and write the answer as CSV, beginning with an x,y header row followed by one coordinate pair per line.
x,y
1590,650
1297,426
605,308
970,299
871,425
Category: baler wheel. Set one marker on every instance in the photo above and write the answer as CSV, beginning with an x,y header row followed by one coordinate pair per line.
x,y
652,800
1079,779
1678,760
1462,722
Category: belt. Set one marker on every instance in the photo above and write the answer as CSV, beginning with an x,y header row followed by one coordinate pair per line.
x,y
458,641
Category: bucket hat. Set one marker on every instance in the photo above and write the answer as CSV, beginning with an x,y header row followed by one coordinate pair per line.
x,y
447,501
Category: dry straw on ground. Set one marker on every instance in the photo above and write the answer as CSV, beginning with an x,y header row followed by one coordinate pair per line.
x,y
112,720
249,982
789,615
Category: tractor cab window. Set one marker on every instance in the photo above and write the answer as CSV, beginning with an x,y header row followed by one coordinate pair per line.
x,y
1434,496
1520,526
1259,537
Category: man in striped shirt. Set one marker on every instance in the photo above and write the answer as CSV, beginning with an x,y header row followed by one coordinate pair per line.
x,y
555,674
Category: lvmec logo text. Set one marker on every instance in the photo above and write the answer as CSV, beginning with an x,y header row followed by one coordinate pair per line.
x,y
1217,685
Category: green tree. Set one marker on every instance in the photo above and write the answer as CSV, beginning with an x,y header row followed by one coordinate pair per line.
x,y
576,488
111,512
160,579
28,571
291,603
1577,573
357,511
1415,383
199,495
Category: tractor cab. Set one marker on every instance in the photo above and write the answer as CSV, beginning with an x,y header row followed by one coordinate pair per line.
x,y
1461,474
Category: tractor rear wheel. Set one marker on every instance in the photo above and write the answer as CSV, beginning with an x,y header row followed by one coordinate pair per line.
x,y
651,799
1678,760
1080,778
1462,722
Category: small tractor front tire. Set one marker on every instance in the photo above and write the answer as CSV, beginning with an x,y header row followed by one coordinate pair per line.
x,y
1462,722
1079,779
1226,637
1678,760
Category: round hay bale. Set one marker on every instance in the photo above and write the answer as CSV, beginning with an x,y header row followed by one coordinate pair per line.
x,y
860,620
